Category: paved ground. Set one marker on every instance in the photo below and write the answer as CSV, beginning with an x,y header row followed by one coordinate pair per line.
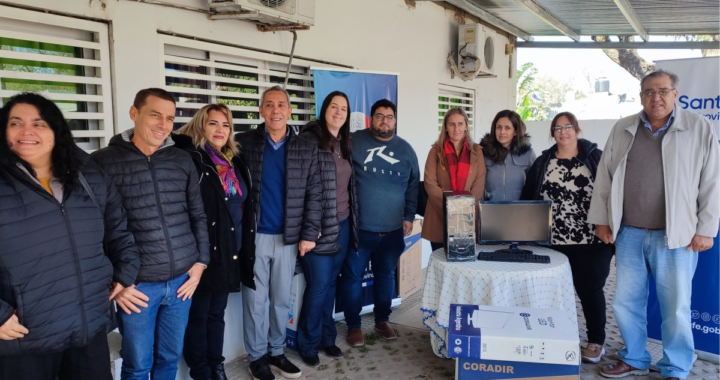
x,y
410,356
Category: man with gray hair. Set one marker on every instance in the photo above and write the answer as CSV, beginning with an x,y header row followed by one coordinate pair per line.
x,y
287,192
656,198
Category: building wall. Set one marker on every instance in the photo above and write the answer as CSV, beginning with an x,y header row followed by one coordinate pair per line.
x,y
377,35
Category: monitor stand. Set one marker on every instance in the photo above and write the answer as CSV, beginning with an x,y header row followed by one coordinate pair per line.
x,y
514,249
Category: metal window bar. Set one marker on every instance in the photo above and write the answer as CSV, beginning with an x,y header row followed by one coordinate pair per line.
x,y
65,60
199,73
451,97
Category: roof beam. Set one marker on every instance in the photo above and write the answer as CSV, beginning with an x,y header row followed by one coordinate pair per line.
x,y
629,13
621,45
549,18
480,13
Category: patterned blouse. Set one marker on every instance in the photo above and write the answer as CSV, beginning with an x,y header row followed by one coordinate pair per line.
x,y
569,185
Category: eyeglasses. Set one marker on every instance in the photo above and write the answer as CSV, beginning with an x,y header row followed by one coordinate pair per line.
x,y
662,92
560,128
380,117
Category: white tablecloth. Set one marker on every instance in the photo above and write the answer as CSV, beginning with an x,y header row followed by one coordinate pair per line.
x,y
493,283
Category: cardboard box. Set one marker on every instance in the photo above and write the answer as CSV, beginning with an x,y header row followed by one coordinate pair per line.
x,y
296,298
409,268
517,334
479,369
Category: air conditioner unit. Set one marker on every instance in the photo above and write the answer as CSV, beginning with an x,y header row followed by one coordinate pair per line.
x,y
476,49
267,12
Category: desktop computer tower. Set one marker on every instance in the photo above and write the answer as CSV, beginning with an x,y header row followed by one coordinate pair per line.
x,y
459,225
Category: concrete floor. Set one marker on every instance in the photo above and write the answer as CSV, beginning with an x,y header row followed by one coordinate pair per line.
x,y
410,356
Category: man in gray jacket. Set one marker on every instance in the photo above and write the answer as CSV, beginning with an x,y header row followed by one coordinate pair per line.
x,y
656,197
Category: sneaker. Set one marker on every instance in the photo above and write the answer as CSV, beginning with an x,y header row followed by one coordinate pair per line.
x,y
621,369
287,369
333,351
592,353
260,369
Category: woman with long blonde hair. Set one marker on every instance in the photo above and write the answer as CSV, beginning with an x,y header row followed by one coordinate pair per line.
x,y
225,185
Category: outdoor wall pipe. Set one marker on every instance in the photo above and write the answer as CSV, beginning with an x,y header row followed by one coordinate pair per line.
x,y
292,52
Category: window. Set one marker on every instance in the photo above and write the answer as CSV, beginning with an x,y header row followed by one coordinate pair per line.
x,y
64,59
198,73
452,97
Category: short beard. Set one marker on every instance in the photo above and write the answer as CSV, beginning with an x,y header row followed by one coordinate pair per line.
x,y
377,132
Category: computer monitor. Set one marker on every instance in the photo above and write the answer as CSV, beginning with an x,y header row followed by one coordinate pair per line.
x,y
513,223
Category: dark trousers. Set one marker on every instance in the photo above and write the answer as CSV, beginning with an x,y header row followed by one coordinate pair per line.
x,y
91,362
590,265
205,333
383,250
317,324
435,246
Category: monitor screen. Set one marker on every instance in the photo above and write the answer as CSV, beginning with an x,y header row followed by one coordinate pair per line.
x,y
515,222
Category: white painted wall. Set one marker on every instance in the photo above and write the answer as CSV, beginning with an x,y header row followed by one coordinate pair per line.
x,y
380,35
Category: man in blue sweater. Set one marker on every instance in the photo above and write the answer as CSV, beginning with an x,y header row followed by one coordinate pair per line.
x,y
287,191
387,179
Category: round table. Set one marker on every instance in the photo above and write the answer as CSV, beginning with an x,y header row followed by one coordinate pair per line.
x,y
496,284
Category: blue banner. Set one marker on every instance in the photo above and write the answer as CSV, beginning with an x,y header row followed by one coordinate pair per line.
x,y
362,89
705,308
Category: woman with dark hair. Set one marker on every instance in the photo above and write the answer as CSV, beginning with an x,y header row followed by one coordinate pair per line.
x,y
64,244
564,174
453,164
508,157
224,186
321,266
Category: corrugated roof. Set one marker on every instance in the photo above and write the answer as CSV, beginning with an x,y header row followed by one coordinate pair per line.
x,y
601,17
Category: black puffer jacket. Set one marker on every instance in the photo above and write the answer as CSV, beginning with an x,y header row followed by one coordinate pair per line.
x,y
303,190
327,244
588,154
227,266
162,198
54,272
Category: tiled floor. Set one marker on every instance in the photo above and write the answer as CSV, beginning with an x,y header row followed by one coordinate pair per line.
x,y
410,356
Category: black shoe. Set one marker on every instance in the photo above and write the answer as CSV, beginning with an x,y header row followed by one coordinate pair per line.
x,y
333,351
218,372
260,369
312,360
287,369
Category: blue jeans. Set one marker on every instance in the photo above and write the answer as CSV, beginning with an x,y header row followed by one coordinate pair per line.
x,y
383,250
317,323
640,253
152,340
